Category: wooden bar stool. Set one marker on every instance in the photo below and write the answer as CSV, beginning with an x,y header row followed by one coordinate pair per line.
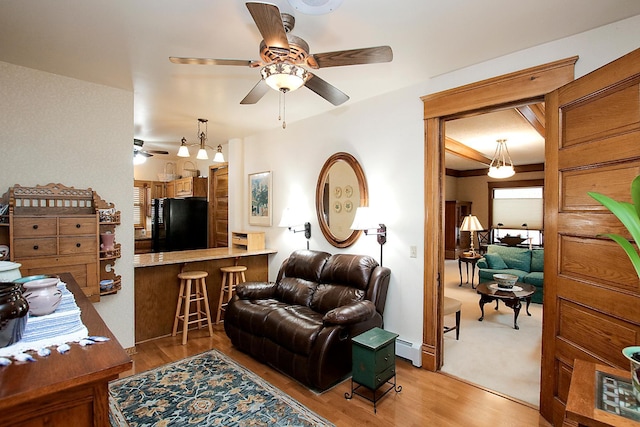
x,y
230,279
188,296
452,305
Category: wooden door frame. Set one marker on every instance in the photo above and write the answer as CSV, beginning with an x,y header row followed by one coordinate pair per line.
x,y
519,87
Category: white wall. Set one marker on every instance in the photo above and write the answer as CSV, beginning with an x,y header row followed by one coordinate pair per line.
x,y
62,130
385,134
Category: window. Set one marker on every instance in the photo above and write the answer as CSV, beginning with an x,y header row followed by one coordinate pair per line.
x,y
518,210
141,203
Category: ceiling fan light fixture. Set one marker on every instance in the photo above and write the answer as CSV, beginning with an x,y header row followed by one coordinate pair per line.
x,y
501,165
183,151
284,76
138,158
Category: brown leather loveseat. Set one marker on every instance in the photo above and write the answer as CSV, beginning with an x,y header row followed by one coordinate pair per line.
x,y
303,323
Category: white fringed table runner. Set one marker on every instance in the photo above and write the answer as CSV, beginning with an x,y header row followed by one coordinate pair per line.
x,y
62,326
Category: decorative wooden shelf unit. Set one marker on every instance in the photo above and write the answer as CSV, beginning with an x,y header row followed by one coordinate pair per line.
x,y
248,240
191,187
56,229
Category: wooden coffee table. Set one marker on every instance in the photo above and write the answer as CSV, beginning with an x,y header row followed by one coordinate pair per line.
x,y
511,298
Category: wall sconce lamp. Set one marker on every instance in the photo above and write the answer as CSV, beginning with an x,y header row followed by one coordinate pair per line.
x,y
471,223
183,151
290,221
364,221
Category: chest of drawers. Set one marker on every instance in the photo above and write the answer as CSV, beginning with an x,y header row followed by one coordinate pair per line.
x,y
373,364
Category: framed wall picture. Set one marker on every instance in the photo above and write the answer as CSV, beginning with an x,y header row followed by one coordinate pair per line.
x,y
260,199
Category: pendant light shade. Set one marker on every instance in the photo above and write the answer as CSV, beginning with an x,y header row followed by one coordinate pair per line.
x,y
183,151
501,164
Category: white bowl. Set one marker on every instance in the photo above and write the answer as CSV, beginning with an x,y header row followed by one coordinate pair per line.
x,y
505,280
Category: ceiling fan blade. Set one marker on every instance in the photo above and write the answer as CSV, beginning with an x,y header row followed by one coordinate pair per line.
x,y
325,90
157,151
256,94
143,153
269,22
209,61
369,55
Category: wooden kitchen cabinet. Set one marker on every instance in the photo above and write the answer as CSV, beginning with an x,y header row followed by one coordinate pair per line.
x,y
55,229
190,187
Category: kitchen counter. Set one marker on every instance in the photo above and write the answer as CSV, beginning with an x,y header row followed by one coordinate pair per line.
x,y
157,284
178,257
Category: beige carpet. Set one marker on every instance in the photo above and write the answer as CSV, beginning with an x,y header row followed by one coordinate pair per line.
x,y
492,353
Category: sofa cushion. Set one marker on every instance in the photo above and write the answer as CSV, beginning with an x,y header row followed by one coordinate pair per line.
x,y
517,258
327,297
345,269
537,260
535,278
351,313
305,264
293,290
293,327
250,315
495,261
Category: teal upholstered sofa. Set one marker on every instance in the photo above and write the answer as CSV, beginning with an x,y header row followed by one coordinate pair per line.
x,y
527,264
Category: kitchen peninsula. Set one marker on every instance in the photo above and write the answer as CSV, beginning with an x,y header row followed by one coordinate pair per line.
x,y
156,282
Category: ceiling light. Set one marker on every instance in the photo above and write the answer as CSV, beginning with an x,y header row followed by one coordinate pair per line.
x,y
501,164
183,151
219,157
138,158
284,76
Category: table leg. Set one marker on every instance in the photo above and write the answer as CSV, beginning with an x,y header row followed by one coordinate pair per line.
x,y
515,305
460,270
473,274
528,299
483,300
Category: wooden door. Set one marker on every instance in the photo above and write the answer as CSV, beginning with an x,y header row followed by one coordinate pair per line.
x,y
592,293
219,206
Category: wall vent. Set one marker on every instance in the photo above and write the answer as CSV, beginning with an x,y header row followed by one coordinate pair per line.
x,y
410,351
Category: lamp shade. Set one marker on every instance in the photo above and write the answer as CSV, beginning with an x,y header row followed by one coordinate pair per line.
x,y
364,219
219,157
471,223
287,218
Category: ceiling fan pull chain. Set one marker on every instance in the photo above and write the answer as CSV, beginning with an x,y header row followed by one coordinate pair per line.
x,y
279,105
284,109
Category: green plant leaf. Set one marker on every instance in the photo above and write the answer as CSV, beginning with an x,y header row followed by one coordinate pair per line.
x,y
625,212
635,194
628,248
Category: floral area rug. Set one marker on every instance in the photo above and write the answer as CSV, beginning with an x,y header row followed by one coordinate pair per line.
x,y
207,389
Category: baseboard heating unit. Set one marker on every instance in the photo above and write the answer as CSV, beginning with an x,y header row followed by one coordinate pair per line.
x,y
410,351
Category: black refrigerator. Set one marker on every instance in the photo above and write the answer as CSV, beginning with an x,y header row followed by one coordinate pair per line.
x,y
179,224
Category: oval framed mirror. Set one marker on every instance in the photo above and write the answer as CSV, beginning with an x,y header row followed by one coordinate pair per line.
x,y
341,189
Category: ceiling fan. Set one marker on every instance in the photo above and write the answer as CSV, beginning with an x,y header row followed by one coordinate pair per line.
x,y
137,149
284,57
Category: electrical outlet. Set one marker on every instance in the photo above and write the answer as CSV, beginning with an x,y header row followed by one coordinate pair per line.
x,y
413,252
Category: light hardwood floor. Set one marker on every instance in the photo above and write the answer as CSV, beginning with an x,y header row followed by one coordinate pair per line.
x,y
426,398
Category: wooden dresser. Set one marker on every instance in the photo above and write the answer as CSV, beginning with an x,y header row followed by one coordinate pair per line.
x,y
68,389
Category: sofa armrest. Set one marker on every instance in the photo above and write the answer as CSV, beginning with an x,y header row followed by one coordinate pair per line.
x,y
482,263
255,290
351,313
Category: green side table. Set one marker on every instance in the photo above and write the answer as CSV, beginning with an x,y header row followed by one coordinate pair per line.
x,y
373,364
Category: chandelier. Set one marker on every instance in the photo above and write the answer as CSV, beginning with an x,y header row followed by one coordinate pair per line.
x,y
183,151
501,164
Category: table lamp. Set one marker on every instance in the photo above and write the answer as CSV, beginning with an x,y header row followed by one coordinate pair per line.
x,y
471,224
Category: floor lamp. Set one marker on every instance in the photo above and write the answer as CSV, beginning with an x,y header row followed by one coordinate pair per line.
x,y
471,224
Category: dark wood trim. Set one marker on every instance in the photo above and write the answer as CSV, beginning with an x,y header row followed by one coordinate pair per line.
x,y
537,167
534,115
459,149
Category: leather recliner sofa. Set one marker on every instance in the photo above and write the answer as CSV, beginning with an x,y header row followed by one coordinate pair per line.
x,y
303,323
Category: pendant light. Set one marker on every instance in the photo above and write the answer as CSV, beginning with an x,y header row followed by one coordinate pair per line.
x,y
501,164
183,151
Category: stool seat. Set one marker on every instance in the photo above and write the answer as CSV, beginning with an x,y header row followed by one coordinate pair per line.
x,y
231,277
187,296
452,305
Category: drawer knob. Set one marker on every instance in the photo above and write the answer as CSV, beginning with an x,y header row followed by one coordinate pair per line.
x,y
78,225
35,247
78,245
35,226
386,358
